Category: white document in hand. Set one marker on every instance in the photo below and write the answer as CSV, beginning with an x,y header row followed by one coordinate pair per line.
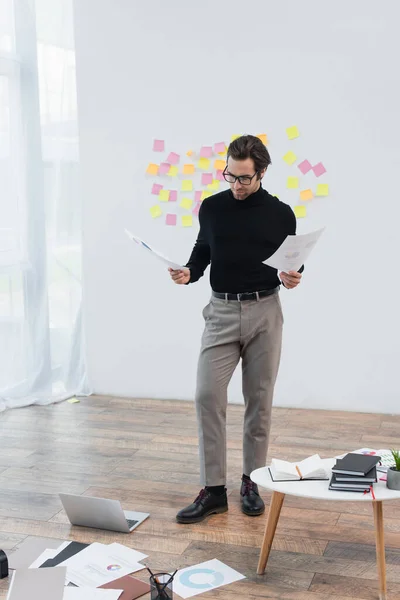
x,y
294,251
309,468
152,251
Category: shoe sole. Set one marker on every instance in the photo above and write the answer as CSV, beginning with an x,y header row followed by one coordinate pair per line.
x,y
215,511
253,514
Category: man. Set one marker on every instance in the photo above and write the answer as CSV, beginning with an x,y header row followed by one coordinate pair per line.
x,y
239,228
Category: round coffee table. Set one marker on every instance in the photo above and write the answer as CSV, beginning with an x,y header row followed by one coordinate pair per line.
x,y
320,490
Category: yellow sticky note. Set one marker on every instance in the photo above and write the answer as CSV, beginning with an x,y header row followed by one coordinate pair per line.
x,y
204,163
263,138
73,400
173,171
186,203
187,185
163,195
300,211
189,153
292,132
205,195
292,183
223,153
290,157
306,195
152,169
214,186
235,136
187,220
219,165
155,211
188,169
322,189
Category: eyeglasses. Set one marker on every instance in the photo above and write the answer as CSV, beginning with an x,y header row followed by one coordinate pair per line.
x,y
242,179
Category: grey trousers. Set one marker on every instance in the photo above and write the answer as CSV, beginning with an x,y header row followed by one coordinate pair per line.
x,y
252,331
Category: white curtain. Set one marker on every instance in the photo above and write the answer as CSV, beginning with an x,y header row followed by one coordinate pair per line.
x,y
42,350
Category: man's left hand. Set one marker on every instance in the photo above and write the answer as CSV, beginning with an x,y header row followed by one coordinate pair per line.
x,y
290,280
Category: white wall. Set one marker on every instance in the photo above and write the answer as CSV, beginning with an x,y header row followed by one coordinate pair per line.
x,y
195,73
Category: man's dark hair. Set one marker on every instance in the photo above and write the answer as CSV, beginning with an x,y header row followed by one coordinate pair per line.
x,y
250,146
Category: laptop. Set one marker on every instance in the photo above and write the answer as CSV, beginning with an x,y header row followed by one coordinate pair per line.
x,y
101,513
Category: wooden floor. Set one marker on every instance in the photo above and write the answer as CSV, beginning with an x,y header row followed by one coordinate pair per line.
x,y
144,453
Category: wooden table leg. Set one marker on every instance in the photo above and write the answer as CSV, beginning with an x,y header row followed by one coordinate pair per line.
x,y
380,548
272,521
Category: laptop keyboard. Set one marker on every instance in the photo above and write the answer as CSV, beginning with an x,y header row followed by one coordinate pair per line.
x,y
131,522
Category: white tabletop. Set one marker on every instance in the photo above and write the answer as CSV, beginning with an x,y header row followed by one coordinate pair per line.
x,y
320,489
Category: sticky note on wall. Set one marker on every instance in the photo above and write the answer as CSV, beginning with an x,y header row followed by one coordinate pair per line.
x,y
152,169
155,211
292,132
322,189
292,183
290,157
306,195
300,211
187,221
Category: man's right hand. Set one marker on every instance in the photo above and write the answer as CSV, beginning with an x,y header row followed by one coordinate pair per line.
x,y
180,276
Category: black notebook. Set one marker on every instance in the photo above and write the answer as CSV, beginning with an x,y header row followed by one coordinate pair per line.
x,y
355,464
72,549
359,484
370,477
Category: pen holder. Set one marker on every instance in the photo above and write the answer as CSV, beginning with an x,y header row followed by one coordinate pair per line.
x,y
161,586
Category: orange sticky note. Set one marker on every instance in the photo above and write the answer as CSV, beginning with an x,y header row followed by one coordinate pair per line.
x,y
263,138
152,169
306,195
188,169
189,153
219,165
155,211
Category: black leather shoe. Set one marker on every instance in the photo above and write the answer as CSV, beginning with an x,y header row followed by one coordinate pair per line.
x,y
250,501
205,504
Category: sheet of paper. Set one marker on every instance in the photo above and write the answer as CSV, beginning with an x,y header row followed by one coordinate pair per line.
x,y
100,563
158,146
294,251
87,593
292,132
156,255
45,555
304,166
46,584
203,577
290,158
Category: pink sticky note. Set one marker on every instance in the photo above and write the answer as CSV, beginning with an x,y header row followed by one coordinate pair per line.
x,y
173,196
206,178
305,166
164,168
319,169
196,209
219,147
219,175
156,188
197,196
173,158
206,152
170,219
158,145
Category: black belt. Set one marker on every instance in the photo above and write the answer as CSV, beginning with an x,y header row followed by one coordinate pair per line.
x,y
244,295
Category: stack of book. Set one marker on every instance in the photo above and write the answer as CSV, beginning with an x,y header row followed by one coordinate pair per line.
x,y
354,473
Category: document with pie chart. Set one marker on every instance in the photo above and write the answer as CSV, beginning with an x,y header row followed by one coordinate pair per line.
x,y
203,577
294,251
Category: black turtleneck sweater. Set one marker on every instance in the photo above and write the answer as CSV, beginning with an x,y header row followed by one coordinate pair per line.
x,y
236,236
